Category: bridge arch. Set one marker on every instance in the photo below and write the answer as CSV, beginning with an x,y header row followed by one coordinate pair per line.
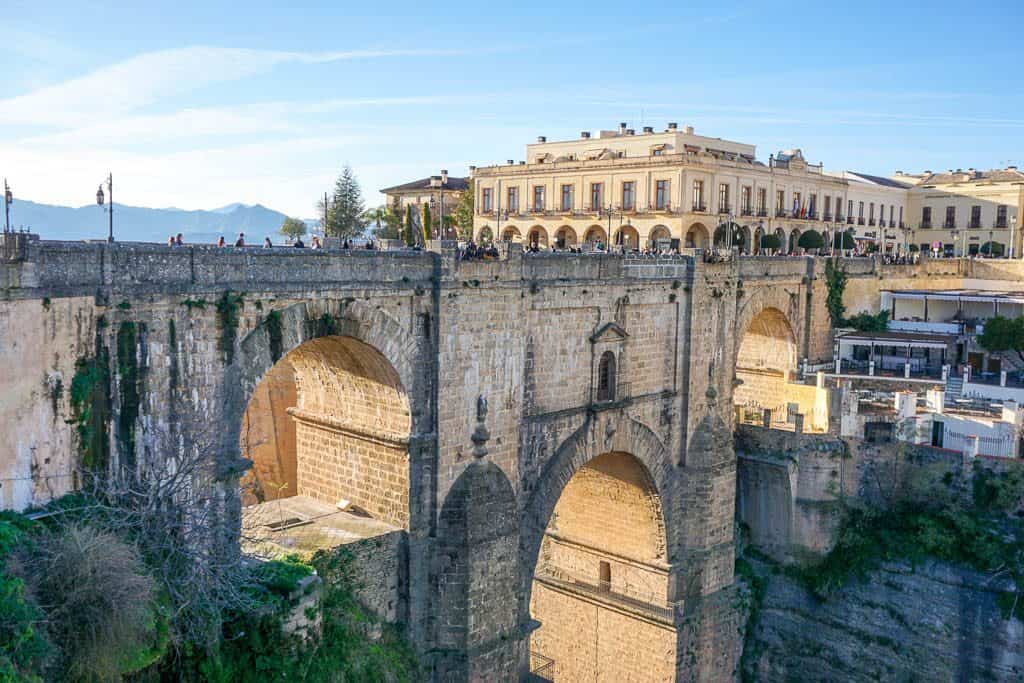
x,y
334,381
599,529
766,357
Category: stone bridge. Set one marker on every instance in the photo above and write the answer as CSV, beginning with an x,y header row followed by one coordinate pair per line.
x,y
550,434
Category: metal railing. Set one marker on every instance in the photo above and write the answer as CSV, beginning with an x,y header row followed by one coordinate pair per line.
x,y
542,667
637,597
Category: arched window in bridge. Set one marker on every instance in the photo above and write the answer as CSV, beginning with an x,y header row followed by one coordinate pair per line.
x,y
606,377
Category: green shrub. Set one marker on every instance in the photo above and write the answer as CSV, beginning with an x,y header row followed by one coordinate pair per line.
x,y
25,649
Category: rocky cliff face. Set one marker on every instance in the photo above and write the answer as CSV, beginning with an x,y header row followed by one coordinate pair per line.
x,y
936,622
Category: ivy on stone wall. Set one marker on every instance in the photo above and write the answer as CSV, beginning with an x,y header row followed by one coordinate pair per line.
x,y
228,307
128,391
90,406
275,335
835,280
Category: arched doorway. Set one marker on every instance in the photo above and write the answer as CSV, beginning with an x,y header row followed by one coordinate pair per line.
x,y
659,237
601,572
758,237
565,238
628,238
765,361
697,237
484,236
794,239
327,429
537,237
595,234
511,234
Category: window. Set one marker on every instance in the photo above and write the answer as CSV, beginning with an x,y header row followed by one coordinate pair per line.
x,y
596,199
901,216
780,202
812,205
871,213
485,199
950,216
745,205
849,209
860,210
976,216
839,207
926,216
566,197
628,195
604,576
513,200
1001,216
698,195
606,377
762,201
723,198
661,194
538,197
797,203
828,207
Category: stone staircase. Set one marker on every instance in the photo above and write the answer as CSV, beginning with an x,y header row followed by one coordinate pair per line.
x,y
954,389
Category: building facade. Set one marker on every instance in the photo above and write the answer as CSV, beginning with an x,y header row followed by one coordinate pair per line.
x,y
441,193
675,189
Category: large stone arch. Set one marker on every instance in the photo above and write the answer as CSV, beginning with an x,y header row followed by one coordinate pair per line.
x,y
565,237
697,237
766,359
270,341
473,580
597,435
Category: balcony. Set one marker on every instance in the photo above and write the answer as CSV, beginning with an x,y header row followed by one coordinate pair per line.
x,y
903,226
892,223
849,220
949,225
1000,224
839,218
700,207
871,221
974,224
780,213
762,213
812,216
826,216
746,211
860,221
724,208
925,225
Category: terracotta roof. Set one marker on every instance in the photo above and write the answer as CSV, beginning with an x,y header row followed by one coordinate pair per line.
x,y
424,184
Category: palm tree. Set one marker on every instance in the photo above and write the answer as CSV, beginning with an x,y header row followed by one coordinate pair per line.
x,y
375,216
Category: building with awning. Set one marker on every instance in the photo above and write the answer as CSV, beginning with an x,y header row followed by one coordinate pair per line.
x,y
907,355
952,311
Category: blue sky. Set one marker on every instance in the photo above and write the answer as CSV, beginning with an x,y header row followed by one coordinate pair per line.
x,y
197,105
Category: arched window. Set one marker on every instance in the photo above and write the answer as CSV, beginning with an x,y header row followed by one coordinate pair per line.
x,y
606,377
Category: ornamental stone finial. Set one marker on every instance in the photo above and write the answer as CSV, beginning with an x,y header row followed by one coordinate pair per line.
x,y
480,435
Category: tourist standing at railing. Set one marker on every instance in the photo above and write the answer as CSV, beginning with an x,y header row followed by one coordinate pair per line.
x,y
240,242
316,242
267,244
179,240
170,241
221,242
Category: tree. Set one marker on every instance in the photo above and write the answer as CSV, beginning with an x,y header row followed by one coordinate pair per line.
x,y
345,213
770,241
409,234
992,249
388,222
1003,334
427,223
462,214
835,280
843,240
810,239
868,322
293,228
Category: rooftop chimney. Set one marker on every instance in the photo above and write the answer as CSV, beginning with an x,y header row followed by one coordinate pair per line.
x,y
541,138
622,129
444,176
673,126
472,168
630,131
511,162
585,135
648,129
522,163
688,130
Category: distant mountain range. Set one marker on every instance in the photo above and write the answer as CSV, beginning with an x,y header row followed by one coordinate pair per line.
x,y
141,224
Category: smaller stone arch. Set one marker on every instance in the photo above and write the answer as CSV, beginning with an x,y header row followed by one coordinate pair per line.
x,y
595,234
658,232
628,238
565,238
697,237
794,239
485,235
537,236
511,234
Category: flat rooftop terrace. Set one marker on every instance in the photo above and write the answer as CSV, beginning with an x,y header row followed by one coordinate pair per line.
x,y
303,525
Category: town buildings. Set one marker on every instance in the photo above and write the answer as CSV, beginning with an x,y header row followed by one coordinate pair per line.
x,y
441,193
675,189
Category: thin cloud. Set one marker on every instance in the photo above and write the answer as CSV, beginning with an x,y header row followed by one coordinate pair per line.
x,y
146,78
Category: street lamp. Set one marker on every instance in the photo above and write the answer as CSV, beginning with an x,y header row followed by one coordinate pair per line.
x,y
609,210
439,182
1013,224
8,200
110,209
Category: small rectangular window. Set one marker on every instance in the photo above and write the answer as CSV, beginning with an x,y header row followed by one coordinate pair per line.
x,y
485,199
538,197
661,194
605,576
566,197
628,195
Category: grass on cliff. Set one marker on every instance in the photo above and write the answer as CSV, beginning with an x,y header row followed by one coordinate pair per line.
x,y
974,521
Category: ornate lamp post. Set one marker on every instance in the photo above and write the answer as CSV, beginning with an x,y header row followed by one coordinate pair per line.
x,y
8,200
110,209
1013,224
